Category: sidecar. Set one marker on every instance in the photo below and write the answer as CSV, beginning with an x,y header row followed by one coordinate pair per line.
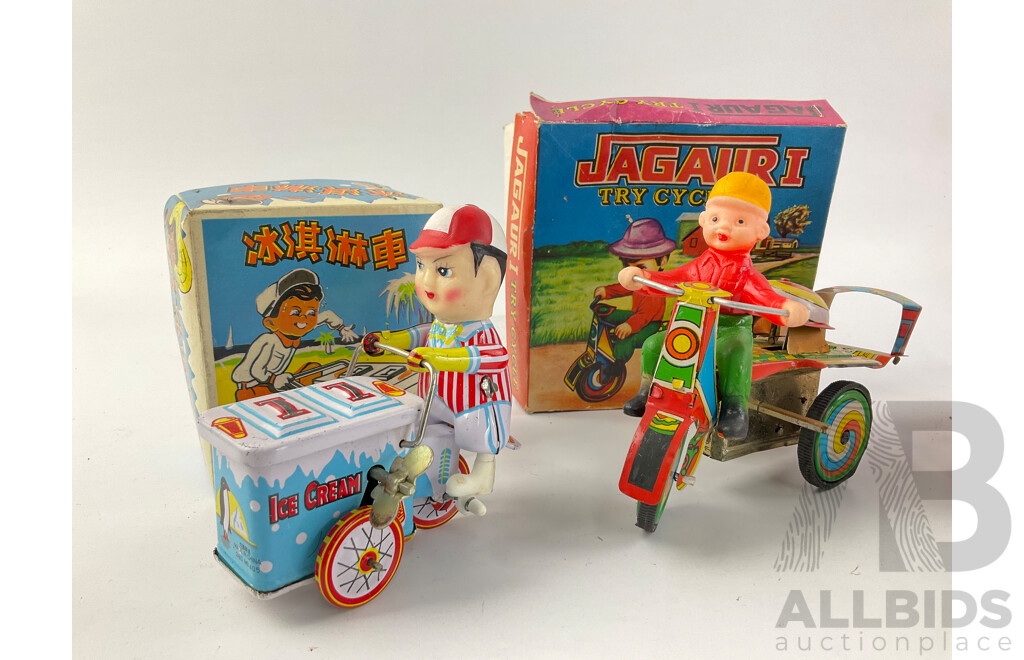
x,y
786,405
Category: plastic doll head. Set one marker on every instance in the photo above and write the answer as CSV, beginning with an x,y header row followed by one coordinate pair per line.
x,y
460,263
736,215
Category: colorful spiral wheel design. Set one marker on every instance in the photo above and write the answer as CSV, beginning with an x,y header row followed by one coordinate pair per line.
x,y
827,459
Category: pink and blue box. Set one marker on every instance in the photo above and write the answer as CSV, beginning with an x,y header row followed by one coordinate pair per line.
x,y
579,173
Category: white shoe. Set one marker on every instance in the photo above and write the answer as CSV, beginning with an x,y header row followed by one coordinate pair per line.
x,y
479,481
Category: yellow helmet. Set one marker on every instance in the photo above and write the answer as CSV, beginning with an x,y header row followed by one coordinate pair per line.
x,y
743,186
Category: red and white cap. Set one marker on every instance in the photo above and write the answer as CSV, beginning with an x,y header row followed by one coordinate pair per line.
x,y
458,225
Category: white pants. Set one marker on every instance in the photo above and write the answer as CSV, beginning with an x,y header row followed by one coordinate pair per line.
x,y
483,429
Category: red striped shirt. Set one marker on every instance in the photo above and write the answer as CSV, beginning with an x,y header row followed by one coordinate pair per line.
x,y
487,357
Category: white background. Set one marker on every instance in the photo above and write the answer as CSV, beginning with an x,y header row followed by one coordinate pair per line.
x,y
414,95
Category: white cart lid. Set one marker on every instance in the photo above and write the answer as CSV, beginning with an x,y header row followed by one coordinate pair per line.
x,y
347,413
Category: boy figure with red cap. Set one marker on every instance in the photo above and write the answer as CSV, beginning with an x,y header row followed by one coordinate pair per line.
x,y
460,264
644,246
734,219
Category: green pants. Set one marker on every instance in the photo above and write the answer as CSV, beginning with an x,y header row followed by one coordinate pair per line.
x,y
734,356
623,348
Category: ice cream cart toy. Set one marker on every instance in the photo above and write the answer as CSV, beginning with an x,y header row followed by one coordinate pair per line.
x,y
316,484
831,428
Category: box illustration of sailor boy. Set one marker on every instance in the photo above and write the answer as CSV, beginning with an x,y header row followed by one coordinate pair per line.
x,y
274,282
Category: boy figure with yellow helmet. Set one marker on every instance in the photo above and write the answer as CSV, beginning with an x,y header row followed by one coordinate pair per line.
x,y
734,219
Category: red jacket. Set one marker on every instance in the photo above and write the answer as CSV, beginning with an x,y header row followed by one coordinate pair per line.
x,y
732,271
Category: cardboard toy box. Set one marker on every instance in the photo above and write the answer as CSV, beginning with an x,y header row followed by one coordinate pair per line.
x,y
579,173
234,249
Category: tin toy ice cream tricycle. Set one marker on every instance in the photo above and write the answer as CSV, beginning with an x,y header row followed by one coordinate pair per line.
x,y
302,491
679,422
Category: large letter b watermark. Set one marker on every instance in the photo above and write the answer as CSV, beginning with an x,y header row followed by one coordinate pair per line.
x,y
970,485
906,540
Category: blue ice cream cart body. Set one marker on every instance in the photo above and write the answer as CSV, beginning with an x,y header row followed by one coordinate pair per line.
x,y
291,482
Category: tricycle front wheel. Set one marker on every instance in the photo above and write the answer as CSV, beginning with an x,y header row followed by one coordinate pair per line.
x,y
355,562
649,515
830,458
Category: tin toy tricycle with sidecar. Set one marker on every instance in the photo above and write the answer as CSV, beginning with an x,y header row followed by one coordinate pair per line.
x,y
302,492
678,426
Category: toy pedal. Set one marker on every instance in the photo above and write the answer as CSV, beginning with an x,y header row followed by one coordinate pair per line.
x,y
683,480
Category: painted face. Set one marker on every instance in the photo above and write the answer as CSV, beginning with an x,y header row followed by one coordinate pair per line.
x,y
732,225
295,318
450,288
645,264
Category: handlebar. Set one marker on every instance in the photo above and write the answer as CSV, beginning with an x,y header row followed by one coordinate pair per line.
x,y
432,387
724,302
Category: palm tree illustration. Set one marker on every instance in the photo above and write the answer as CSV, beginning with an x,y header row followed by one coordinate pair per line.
x,y
326,341
400,295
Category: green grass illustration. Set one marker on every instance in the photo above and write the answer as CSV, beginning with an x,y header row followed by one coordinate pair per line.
x,y
565,276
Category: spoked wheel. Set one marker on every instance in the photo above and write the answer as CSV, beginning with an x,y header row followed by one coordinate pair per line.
x,y
827,459
428,512
355,562
597,384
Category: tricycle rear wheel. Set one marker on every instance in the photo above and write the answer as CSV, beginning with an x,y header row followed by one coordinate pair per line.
x,y
830,458
429,513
